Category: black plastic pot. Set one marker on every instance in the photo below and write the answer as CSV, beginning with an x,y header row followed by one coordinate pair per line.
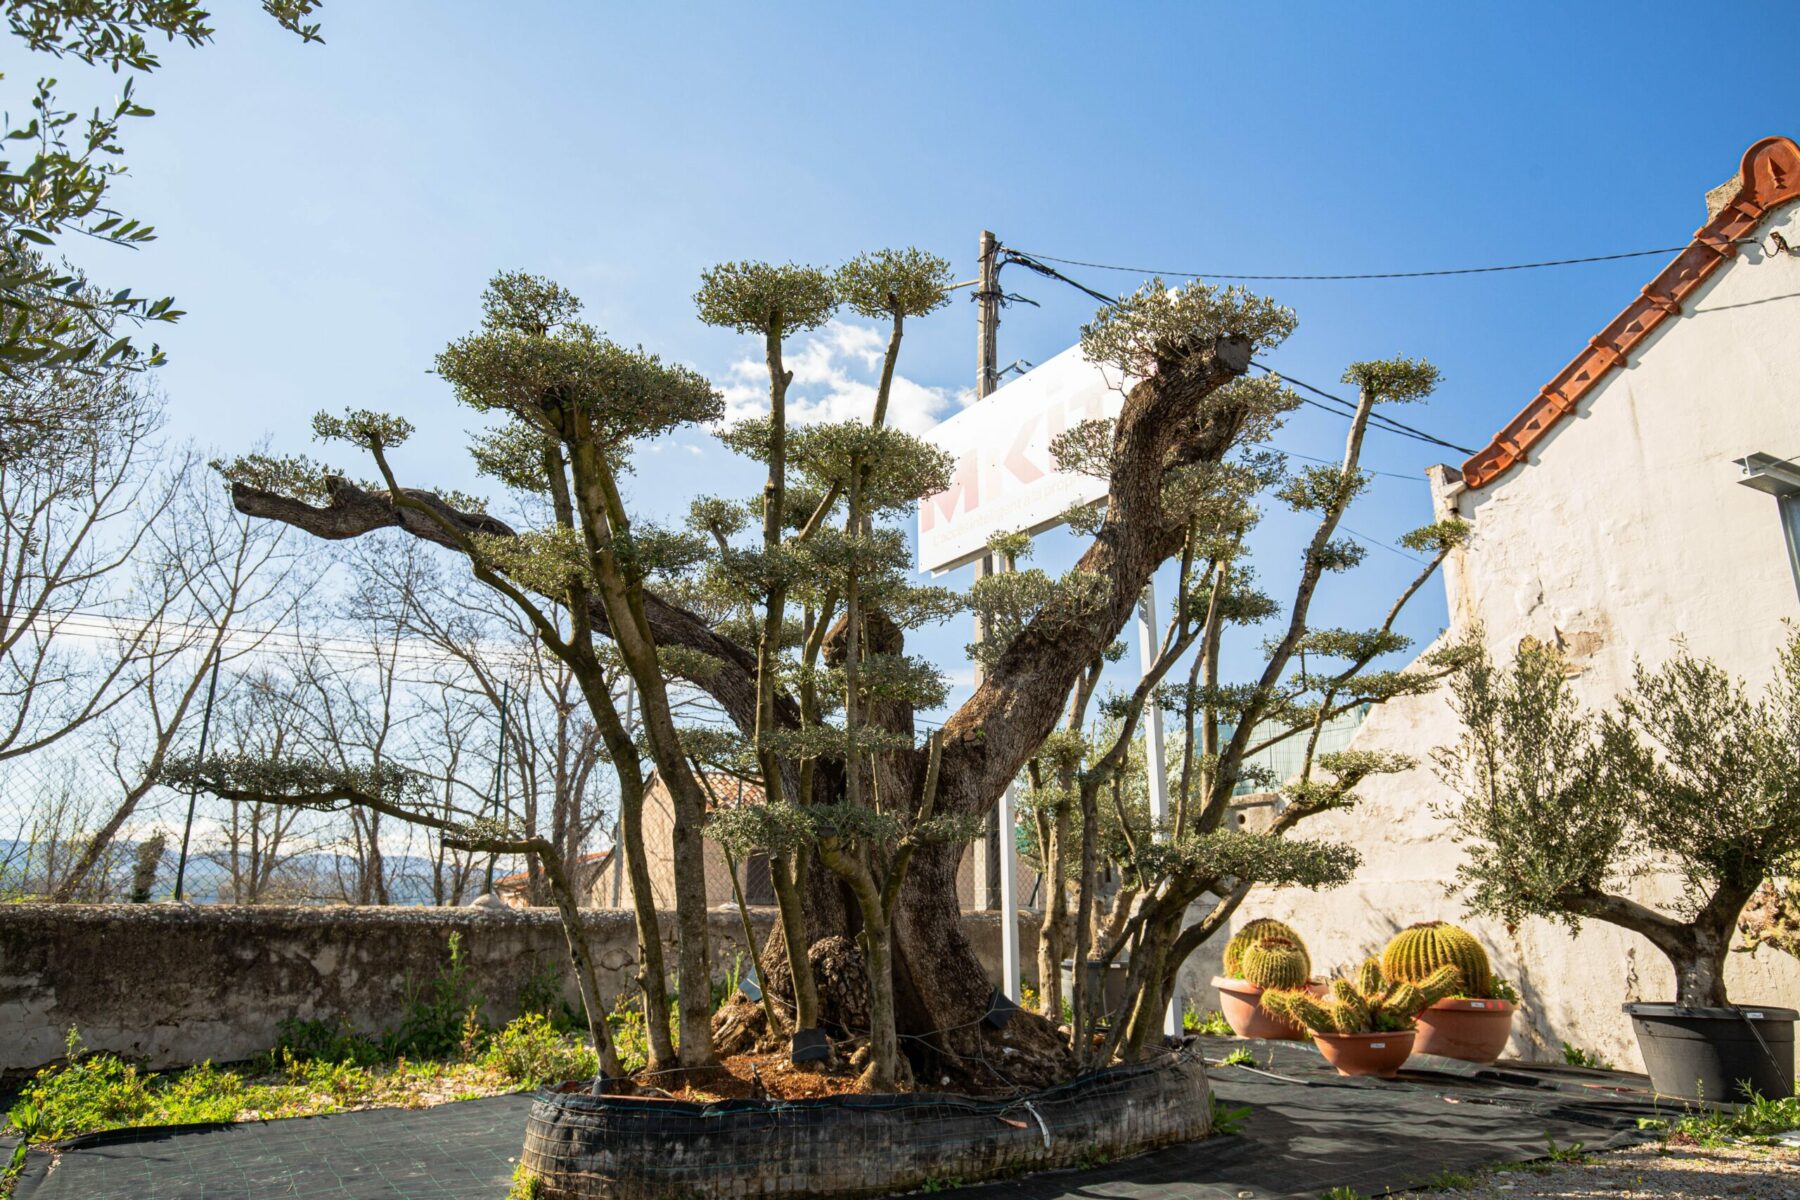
x,y
1716,1053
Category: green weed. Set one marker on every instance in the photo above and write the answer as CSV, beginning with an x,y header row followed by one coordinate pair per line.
x,y
1241,1057
1575,1056
1213,1024
1227,1120
1450,1181
435,1018
1755,1120
531,1051
1572,1153
102,1091
331,1041
542,992
525,1185
630,1034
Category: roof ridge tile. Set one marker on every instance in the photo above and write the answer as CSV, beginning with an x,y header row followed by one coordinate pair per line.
x,y
1769,176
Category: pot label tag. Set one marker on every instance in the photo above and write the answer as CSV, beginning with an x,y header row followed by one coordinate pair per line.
x,y
1478,1004
1754,1016
1378,1045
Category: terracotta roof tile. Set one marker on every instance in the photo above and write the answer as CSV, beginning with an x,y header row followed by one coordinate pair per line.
x,y
1770,175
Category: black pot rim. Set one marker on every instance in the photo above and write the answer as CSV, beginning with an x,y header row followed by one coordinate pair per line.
x,y
1739,1012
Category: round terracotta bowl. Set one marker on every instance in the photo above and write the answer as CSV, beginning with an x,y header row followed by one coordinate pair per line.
x,y
1240,1002
1379,1054
1472,1030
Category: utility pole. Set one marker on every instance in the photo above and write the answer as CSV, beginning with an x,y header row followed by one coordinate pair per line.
x,y
999,859
987,316
987,359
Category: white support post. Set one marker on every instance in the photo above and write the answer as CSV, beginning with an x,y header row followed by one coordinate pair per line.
x,y
1009,897
1005,829
1155,766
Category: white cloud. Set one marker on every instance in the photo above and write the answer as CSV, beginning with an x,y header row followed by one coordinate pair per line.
x,y
835,373
662,444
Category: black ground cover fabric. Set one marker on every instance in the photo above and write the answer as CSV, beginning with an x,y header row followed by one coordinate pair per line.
x,y
1308,1130
457,1151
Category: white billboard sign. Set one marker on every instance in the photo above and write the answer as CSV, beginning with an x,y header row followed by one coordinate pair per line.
x,y
1004,480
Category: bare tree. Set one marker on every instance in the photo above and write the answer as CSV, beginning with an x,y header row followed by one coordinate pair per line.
x,y
479,648
262,716
74,515
217,582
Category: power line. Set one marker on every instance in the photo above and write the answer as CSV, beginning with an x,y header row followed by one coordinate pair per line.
x,y
1379,420
1526,266
1363,537
1348,407
1030,263
1331,462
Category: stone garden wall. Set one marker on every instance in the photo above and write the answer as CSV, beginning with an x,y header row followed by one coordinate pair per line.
x,y
170,985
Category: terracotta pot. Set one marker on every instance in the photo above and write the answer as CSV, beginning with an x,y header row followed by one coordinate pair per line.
x,y
1241,1003
1472,1030
1365,1053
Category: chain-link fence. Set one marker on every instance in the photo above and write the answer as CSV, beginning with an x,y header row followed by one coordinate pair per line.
x,y
70,829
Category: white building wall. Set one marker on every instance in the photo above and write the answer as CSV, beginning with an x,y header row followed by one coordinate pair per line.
x,y
1625,530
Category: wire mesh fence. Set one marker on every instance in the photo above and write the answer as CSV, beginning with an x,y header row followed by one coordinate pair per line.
x,y
71,829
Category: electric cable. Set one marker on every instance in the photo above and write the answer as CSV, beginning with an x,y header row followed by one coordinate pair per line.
x,y
1432,274
1348,407
1379,420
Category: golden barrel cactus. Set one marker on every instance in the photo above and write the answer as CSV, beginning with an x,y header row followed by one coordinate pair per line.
x,y
1274,962
1418,951
1260,928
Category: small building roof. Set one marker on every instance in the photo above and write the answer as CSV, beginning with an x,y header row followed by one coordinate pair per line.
x,y
518,880
728,791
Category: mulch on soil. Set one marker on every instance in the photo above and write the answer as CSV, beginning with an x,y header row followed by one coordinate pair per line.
x,y
754,1076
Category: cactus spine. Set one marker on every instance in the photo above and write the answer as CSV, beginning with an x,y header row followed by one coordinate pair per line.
x,y
1298,1008
1274,962
1417,952
1249,935
1350,1010
1441,984
1367,1003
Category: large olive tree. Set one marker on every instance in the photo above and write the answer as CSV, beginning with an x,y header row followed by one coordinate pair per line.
x,y
813,673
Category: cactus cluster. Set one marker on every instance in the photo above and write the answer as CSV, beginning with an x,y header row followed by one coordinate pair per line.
x,y
1250,934
1367,1002
1418,951
1274,962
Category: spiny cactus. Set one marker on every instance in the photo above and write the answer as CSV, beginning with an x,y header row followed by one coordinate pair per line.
x,y
1350,1007
1419,950
1299,1008
1365,1004
1274,962
1441,984
1262,927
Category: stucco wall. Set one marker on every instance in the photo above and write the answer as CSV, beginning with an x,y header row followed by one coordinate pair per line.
x,y
1625,530
171,984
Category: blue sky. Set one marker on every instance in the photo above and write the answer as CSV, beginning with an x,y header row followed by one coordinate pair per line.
x,y
328,214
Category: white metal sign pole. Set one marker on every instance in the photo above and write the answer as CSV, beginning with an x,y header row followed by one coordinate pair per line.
x,y
1009,897
1155,765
